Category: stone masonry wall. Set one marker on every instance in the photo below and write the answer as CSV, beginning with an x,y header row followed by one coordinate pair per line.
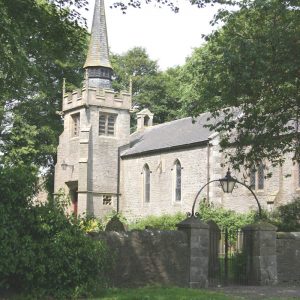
x,y
288,257
148,257
199,165
92,159
193,176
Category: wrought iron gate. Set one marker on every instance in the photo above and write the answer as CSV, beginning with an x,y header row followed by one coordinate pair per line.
x,y
227,263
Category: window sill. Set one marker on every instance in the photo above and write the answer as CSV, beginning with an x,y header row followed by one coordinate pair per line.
x,y
107,136
257,192
177,203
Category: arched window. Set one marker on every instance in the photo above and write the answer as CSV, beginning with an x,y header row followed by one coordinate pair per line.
x,y
260,176
146,174
253,179
257,177
177,180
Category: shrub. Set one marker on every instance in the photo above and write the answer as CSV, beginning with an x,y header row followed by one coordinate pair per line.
x,y
225,218
287,217
163,222
91,224
44,252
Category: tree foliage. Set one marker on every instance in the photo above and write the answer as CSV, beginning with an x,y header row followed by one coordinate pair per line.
x,y
225,219
41,43
151,88
287,217
247,75
44,252
173,5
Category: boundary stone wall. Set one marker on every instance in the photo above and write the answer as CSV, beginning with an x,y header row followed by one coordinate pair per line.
x,y
181,258
288,257
148,257
160,257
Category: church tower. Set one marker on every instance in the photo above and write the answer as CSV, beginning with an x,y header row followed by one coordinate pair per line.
x,y
96,125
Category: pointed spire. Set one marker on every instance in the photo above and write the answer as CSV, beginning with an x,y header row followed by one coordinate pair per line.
x,y
97,62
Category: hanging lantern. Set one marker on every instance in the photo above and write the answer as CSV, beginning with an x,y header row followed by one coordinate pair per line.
x,y
227,183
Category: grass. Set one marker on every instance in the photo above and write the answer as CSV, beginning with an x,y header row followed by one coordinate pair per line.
x,y
159,293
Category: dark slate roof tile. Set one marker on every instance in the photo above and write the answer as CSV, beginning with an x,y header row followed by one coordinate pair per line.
x,y
169,135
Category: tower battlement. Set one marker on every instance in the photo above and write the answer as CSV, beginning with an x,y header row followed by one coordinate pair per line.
x,y
97,97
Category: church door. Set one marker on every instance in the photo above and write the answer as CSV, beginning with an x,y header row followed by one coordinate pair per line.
x,y
75,202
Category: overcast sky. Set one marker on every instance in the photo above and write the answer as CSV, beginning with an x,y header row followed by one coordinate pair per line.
x,y
168,37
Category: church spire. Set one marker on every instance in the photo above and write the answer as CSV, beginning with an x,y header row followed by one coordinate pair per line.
x,y
97,64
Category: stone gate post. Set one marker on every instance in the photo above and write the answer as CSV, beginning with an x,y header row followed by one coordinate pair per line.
x,y
198,241
260,251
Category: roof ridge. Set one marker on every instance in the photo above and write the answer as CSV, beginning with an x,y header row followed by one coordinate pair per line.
x,y
174,121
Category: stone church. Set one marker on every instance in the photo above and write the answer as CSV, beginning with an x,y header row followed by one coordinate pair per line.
x,y
159,168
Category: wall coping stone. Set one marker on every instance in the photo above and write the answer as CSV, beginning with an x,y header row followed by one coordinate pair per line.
x,y
192,222
296,235
285,235
260,226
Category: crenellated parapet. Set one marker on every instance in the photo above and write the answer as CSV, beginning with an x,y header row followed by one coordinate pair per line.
x,y
97,97
75,99
109,98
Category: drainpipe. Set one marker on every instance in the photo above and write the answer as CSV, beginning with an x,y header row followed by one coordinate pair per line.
x,y
118,182
120,149
208,169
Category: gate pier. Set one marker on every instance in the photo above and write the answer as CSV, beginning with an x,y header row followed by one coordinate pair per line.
x,y
198,240
260,252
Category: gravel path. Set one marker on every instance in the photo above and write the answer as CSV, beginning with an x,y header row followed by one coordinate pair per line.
x,y
262,292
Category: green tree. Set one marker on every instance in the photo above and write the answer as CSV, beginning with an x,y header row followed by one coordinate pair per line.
x,y
41,43
151,88
174,6
247,75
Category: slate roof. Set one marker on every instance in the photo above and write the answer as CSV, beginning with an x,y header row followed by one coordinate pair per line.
x,y
170,135
98,55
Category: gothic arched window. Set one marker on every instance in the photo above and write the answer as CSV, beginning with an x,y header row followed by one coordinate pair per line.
x,y
177,180
257,177
260,177
146,175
